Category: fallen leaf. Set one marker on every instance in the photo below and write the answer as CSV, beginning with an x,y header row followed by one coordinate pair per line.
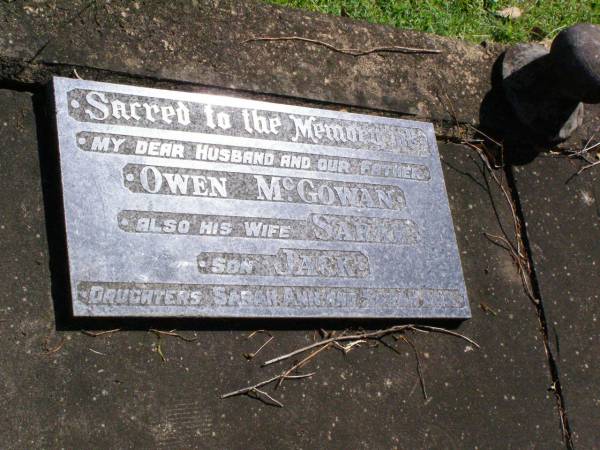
x,y
512,12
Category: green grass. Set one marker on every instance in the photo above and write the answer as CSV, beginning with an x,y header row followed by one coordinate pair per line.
x,y
474,20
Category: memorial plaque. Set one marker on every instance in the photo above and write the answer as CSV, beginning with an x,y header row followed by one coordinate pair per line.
x,y
182,204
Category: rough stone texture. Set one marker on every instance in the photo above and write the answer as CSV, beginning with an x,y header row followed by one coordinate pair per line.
x,y
202,42
116,392
562,212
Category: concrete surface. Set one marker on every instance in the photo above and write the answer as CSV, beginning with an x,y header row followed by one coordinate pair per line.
x,y
115,391
202,42
562,213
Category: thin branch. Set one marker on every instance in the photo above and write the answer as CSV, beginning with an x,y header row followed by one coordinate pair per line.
x,y
521,263
586,148
504,243
248,389
347,51
260,392
348,347
507,197
372,335
588,166
301,363
519,248
172,334
254,333
50,351
96,352
252,355
477,130
446,331
159,349
100,333
352,337
517,252
329,340
487,308
419,371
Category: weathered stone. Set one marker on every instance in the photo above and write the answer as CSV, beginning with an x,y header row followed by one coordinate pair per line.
x,y
533,94
546,88
115,391
204,42
562,214
576,55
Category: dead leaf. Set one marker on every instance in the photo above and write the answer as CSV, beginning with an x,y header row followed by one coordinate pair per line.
x,y
511,13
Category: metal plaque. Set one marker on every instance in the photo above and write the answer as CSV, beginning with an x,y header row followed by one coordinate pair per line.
x,y
182,204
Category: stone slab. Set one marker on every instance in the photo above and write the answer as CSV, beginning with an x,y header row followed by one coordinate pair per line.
x,y
115,391
562,213
180,204
203,42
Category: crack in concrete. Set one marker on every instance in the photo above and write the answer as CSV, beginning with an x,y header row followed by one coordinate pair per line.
x,y
555,387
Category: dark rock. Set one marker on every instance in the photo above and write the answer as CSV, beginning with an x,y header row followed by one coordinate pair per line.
x,y
576,51
530,89
546,88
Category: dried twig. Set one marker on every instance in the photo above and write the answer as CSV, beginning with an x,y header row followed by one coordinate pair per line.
x,y
347,51
50,351
253,354
419,372
583,154
255,388
368,335
444,331
158,348
586,148
100,333
487,308
301,363
96,352
517,251
331,340
172,334
478,131
254,333
588,166
348,347
261,392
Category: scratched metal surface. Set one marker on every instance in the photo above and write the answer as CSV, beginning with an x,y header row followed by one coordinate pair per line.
x,y
162,191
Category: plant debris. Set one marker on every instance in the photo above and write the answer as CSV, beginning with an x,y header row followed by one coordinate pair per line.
x,y
345,342
250,356
172,333
511,13
51,350
347,51
100,333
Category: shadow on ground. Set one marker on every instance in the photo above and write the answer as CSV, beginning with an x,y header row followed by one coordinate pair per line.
x,y
498,121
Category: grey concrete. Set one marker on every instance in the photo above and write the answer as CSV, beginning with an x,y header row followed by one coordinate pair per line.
x,y
203,42
116,392
562,212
